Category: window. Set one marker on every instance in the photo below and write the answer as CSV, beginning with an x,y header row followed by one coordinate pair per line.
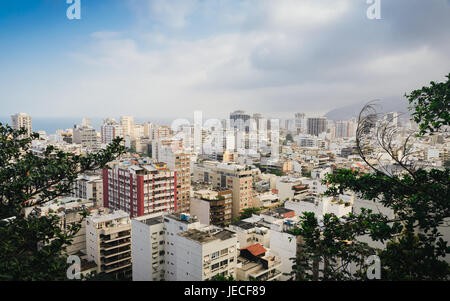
x,y
215,255
215,266
224,252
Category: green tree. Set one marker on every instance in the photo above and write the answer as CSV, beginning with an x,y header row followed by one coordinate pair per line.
x,y
248,212
34,248
223,278
419,198
431,106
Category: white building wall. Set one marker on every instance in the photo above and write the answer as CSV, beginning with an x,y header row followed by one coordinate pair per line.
x,y
142,250
284,245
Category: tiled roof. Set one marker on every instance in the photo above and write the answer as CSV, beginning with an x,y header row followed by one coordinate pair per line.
x,y
256,249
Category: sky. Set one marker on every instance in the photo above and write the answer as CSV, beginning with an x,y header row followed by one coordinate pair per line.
x,y
168,58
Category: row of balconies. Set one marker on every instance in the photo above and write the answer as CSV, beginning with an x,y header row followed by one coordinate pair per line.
x,y
115,244
115,259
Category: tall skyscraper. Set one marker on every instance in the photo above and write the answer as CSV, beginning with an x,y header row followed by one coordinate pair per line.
x,y
240,120
300,123
345,129
317,126
22,120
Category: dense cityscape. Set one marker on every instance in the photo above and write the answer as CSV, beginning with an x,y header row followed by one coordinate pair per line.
x,y
224,148
171,208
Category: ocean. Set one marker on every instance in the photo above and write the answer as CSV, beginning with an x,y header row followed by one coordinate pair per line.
x,y
51,124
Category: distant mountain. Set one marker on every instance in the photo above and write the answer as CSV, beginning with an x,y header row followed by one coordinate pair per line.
x,y
382,106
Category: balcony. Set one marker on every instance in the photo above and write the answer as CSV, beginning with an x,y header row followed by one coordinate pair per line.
x,y
109,254
115,259
115,244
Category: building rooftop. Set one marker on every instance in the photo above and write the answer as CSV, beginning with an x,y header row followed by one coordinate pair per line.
x,y
244,225
278,211
152,221
256,249
206,236
182,217
104,215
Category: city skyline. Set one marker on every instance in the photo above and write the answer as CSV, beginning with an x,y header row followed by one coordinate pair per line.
x,y
158,58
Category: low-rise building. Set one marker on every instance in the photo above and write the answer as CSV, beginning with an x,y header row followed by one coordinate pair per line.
x,y
257,263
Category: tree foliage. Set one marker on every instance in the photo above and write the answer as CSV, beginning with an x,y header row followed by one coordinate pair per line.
x,y
248,212
419,198
431,106
34,248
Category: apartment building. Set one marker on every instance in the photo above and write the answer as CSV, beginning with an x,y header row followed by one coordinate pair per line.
x,y
180,162
289,187
87,136
127,124
22,120
213,207
316,126
110,130
89,186
206,253
238,178
108,242
140,187
177,247
250,233
148,248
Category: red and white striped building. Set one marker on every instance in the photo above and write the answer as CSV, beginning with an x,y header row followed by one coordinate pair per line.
x,y
140,188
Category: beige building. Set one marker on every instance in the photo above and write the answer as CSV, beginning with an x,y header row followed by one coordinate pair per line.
x,y
108,241
256,263
180,162
238,178
213,207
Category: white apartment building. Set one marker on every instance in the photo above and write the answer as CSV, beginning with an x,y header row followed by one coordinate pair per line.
x,y
22,120
110,130
319,206
249,233
89,187
177,247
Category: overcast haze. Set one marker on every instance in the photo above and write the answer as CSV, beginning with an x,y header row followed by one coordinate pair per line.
x,y
155,58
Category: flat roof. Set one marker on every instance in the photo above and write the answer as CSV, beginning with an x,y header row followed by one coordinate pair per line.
x,y
244,225
207,235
